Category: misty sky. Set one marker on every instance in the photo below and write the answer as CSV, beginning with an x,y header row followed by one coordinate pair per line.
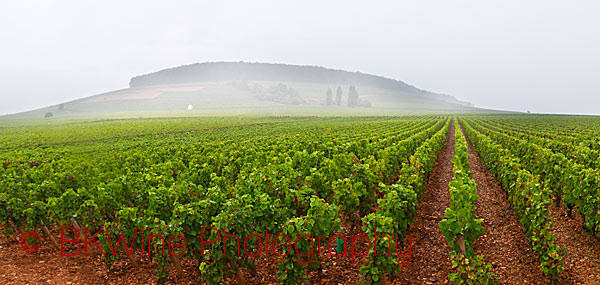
x,y
542,56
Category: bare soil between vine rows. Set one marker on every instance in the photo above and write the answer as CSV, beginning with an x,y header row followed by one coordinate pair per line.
x,y
503,243
582,261
430,261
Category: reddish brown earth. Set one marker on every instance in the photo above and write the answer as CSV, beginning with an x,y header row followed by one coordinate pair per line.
x,y
503,243
430,261
47,266
582,261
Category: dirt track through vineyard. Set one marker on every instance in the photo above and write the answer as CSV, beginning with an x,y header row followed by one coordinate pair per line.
x,y
503,243
430,262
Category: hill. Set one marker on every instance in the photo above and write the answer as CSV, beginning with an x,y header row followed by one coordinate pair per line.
x,y
223,71
234,88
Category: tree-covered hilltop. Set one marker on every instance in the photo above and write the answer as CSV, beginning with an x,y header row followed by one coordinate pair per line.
x,y
226,71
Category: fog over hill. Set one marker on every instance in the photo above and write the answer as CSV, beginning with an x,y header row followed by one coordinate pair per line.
x,y
240,88
226,71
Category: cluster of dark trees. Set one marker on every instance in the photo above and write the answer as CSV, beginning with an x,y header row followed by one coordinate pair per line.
x,y
282,94
353,100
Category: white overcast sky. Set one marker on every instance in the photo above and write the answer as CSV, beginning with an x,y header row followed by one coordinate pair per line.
x,y
542,56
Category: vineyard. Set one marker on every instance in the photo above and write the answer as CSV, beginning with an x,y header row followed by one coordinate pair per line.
x,y
473,199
